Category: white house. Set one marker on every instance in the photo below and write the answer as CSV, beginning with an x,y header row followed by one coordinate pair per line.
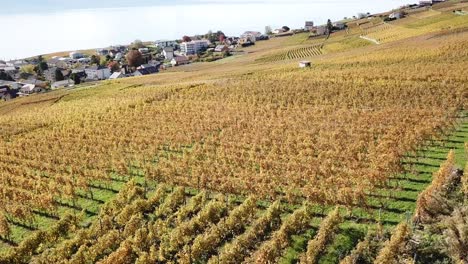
x,y
168,53
98,73
278,31
194,46
31,88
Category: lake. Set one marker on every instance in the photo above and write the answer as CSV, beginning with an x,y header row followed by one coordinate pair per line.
x,y
45,29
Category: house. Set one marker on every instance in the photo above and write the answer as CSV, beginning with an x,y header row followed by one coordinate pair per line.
x,y
31,88
63,84
165,43
84,60
339,25
76,55
98,73
250,37
168,53
309,25
252,34
118,56
35,82
425,3
396,15
245,42
193,47
180,60
278,31
285,34
117,75
150,68
143,50
221,48
102,52
11,85
304,64
142,72
321,30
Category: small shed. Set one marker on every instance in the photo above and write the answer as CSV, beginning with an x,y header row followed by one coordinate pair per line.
x,y
305,64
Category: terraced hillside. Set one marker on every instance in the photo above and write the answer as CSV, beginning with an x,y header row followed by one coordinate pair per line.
x,y
245,160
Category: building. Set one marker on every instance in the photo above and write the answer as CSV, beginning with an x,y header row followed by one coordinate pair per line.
x,y
102,52
304,64
168,53
193,47
97,73
63,84
145,71
221,48
118,56
309,25
143,50
30,89
152,68
180,60
339,25
165,43
76,55
116,75
425,3
278,31
252,34
397,15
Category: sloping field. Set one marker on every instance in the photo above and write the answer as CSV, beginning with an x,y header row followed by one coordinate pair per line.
x,y
239,162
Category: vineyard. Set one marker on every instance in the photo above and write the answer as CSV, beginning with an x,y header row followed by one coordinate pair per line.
x,y
297,53
428,21
247,162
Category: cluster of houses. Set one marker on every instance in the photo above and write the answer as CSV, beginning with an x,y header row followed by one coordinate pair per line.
x,y
78,67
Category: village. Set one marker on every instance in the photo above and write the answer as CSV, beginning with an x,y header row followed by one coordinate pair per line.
x,y
41,74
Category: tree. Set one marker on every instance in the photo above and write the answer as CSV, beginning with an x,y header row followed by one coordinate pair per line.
x,y
104,60
134,58
59,75
138,44
222,37
329,26
5,77
95,59
114,66
42,66
268,30
76,78
27,69
186,39
286,28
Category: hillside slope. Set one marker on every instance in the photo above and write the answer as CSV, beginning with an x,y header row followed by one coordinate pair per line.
x,y
238,160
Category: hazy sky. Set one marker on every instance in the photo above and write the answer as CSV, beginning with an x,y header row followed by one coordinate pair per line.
x,y
32,27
